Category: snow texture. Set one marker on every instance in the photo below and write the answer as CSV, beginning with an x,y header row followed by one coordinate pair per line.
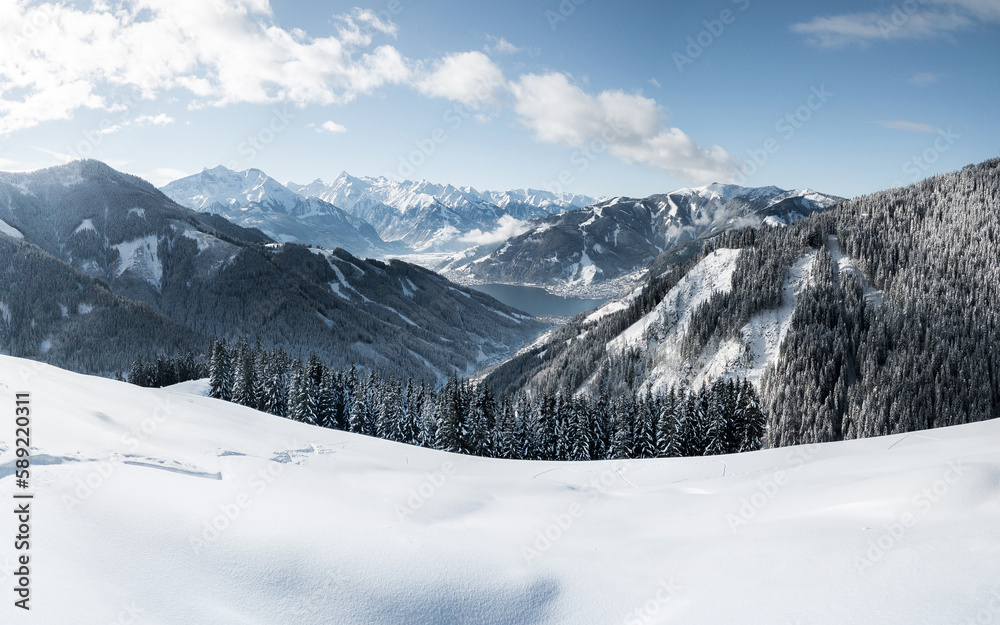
x,y
140,257
9,230
192,510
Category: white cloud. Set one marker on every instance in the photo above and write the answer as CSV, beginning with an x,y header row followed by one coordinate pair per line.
x,y
628,126
654,82
467,77
500,45
506,228
926,19
154,120
143,120
899,124
922,79
162,176
110,130
331,127
56,58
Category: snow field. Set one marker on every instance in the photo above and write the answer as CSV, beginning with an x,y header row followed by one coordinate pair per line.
x,y
178,508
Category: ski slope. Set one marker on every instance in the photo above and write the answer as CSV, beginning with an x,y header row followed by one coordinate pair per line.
x,y
164,506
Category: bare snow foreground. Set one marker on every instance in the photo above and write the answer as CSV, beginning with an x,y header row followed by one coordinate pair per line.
x,y
163,506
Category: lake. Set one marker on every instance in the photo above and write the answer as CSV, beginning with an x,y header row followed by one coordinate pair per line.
x,y
537,301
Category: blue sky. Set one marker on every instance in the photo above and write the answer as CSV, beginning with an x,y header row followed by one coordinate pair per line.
x,y
587,96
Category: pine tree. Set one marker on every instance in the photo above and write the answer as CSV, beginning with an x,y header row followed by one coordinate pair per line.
x,y
327,400
137,374
582,433
647,413
358,417
245,382
545,427
274,383
449,418
412,412
390,413
751,417
302,396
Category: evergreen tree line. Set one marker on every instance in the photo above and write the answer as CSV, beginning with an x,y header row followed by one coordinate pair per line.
x,y
166,370
464,418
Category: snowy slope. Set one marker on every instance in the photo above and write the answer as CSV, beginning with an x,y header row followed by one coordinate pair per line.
x,y
746,357
656,331
662,331
320,526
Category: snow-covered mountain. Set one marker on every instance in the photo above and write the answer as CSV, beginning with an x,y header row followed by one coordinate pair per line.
x,y
434,217
659,337
168,507
878,316
581,249
253,199
99,266
346,191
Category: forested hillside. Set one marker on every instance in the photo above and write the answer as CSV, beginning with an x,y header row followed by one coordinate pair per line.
x,y
879,316
179,276
929,355
51,311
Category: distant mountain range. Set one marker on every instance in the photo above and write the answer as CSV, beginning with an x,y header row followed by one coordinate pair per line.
x,y
375,216
255,200
99,266
581,250
433,217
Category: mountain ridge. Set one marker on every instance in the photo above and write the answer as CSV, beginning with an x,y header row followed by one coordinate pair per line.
x,y
580,250
212,278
